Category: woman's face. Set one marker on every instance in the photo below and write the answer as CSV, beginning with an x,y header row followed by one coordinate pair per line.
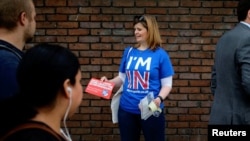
x,y
141,33
77,93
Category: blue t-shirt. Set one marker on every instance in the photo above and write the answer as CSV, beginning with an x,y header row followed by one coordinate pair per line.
x,y
144,71
9,61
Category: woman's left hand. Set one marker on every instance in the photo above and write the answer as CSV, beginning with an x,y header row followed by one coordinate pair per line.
x,y
157,101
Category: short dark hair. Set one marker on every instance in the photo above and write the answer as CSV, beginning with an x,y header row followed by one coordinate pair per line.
x,y
242,9
43,70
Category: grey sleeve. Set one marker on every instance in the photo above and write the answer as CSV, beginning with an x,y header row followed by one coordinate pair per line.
x,y
213,80
243,58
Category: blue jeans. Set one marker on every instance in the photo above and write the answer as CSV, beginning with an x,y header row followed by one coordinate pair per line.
x,y
130,126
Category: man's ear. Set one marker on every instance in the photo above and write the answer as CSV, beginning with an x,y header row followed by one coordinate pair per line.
x,y
248,14
67,88
22,18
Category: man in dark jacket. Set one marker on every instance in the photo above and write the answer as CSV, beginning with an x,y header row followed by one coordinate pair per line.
x,y
17,27
230,82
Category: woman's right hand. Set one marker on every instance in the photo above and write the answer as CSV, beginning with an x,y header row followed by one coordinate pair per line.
x,y
104,78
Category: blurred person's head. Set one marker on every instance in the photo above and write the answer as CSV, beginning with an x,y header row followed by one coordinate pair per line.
x,y
46,72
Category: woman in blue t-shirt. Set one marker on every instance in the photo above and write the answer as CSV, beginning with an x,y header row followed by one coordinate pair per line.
x,y
145,69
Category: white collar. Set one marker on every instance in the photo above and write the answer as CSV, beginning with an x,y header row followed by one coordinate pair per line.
x,y
245,23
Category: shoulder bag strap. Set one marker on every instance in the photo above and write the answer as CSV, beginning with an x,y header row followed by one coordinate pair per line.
x,y
129,51
36,126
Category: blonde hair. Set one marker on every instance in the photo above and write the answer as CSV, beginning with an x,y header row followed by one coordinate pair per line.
x,y
150,23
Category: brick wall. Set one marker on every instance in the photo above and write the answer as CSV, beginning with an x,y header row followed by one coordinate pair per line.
x,y
97,31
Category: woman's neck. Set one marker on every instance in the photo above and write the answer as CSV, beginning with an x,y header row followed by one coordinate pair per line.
x,y
143,47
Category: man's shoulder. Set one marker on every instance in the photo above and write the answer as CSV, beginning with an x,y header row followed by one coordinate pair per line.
x,y
239,29
9,56
9,52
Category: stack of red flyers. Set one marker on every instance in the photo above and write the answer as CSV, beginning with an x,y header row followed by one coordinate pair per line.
x,y
100,88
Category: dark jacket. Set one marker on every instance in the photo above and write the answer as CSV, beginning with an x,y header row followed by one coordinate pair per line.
x,y
230,81
10,57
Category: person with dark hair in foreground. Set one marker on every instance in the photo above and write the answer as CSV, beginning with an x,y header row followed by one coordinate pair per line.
x,y
49,78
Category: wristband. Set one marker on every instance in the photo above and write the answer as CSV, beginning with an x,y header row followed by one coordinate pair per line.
x,y
160,98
